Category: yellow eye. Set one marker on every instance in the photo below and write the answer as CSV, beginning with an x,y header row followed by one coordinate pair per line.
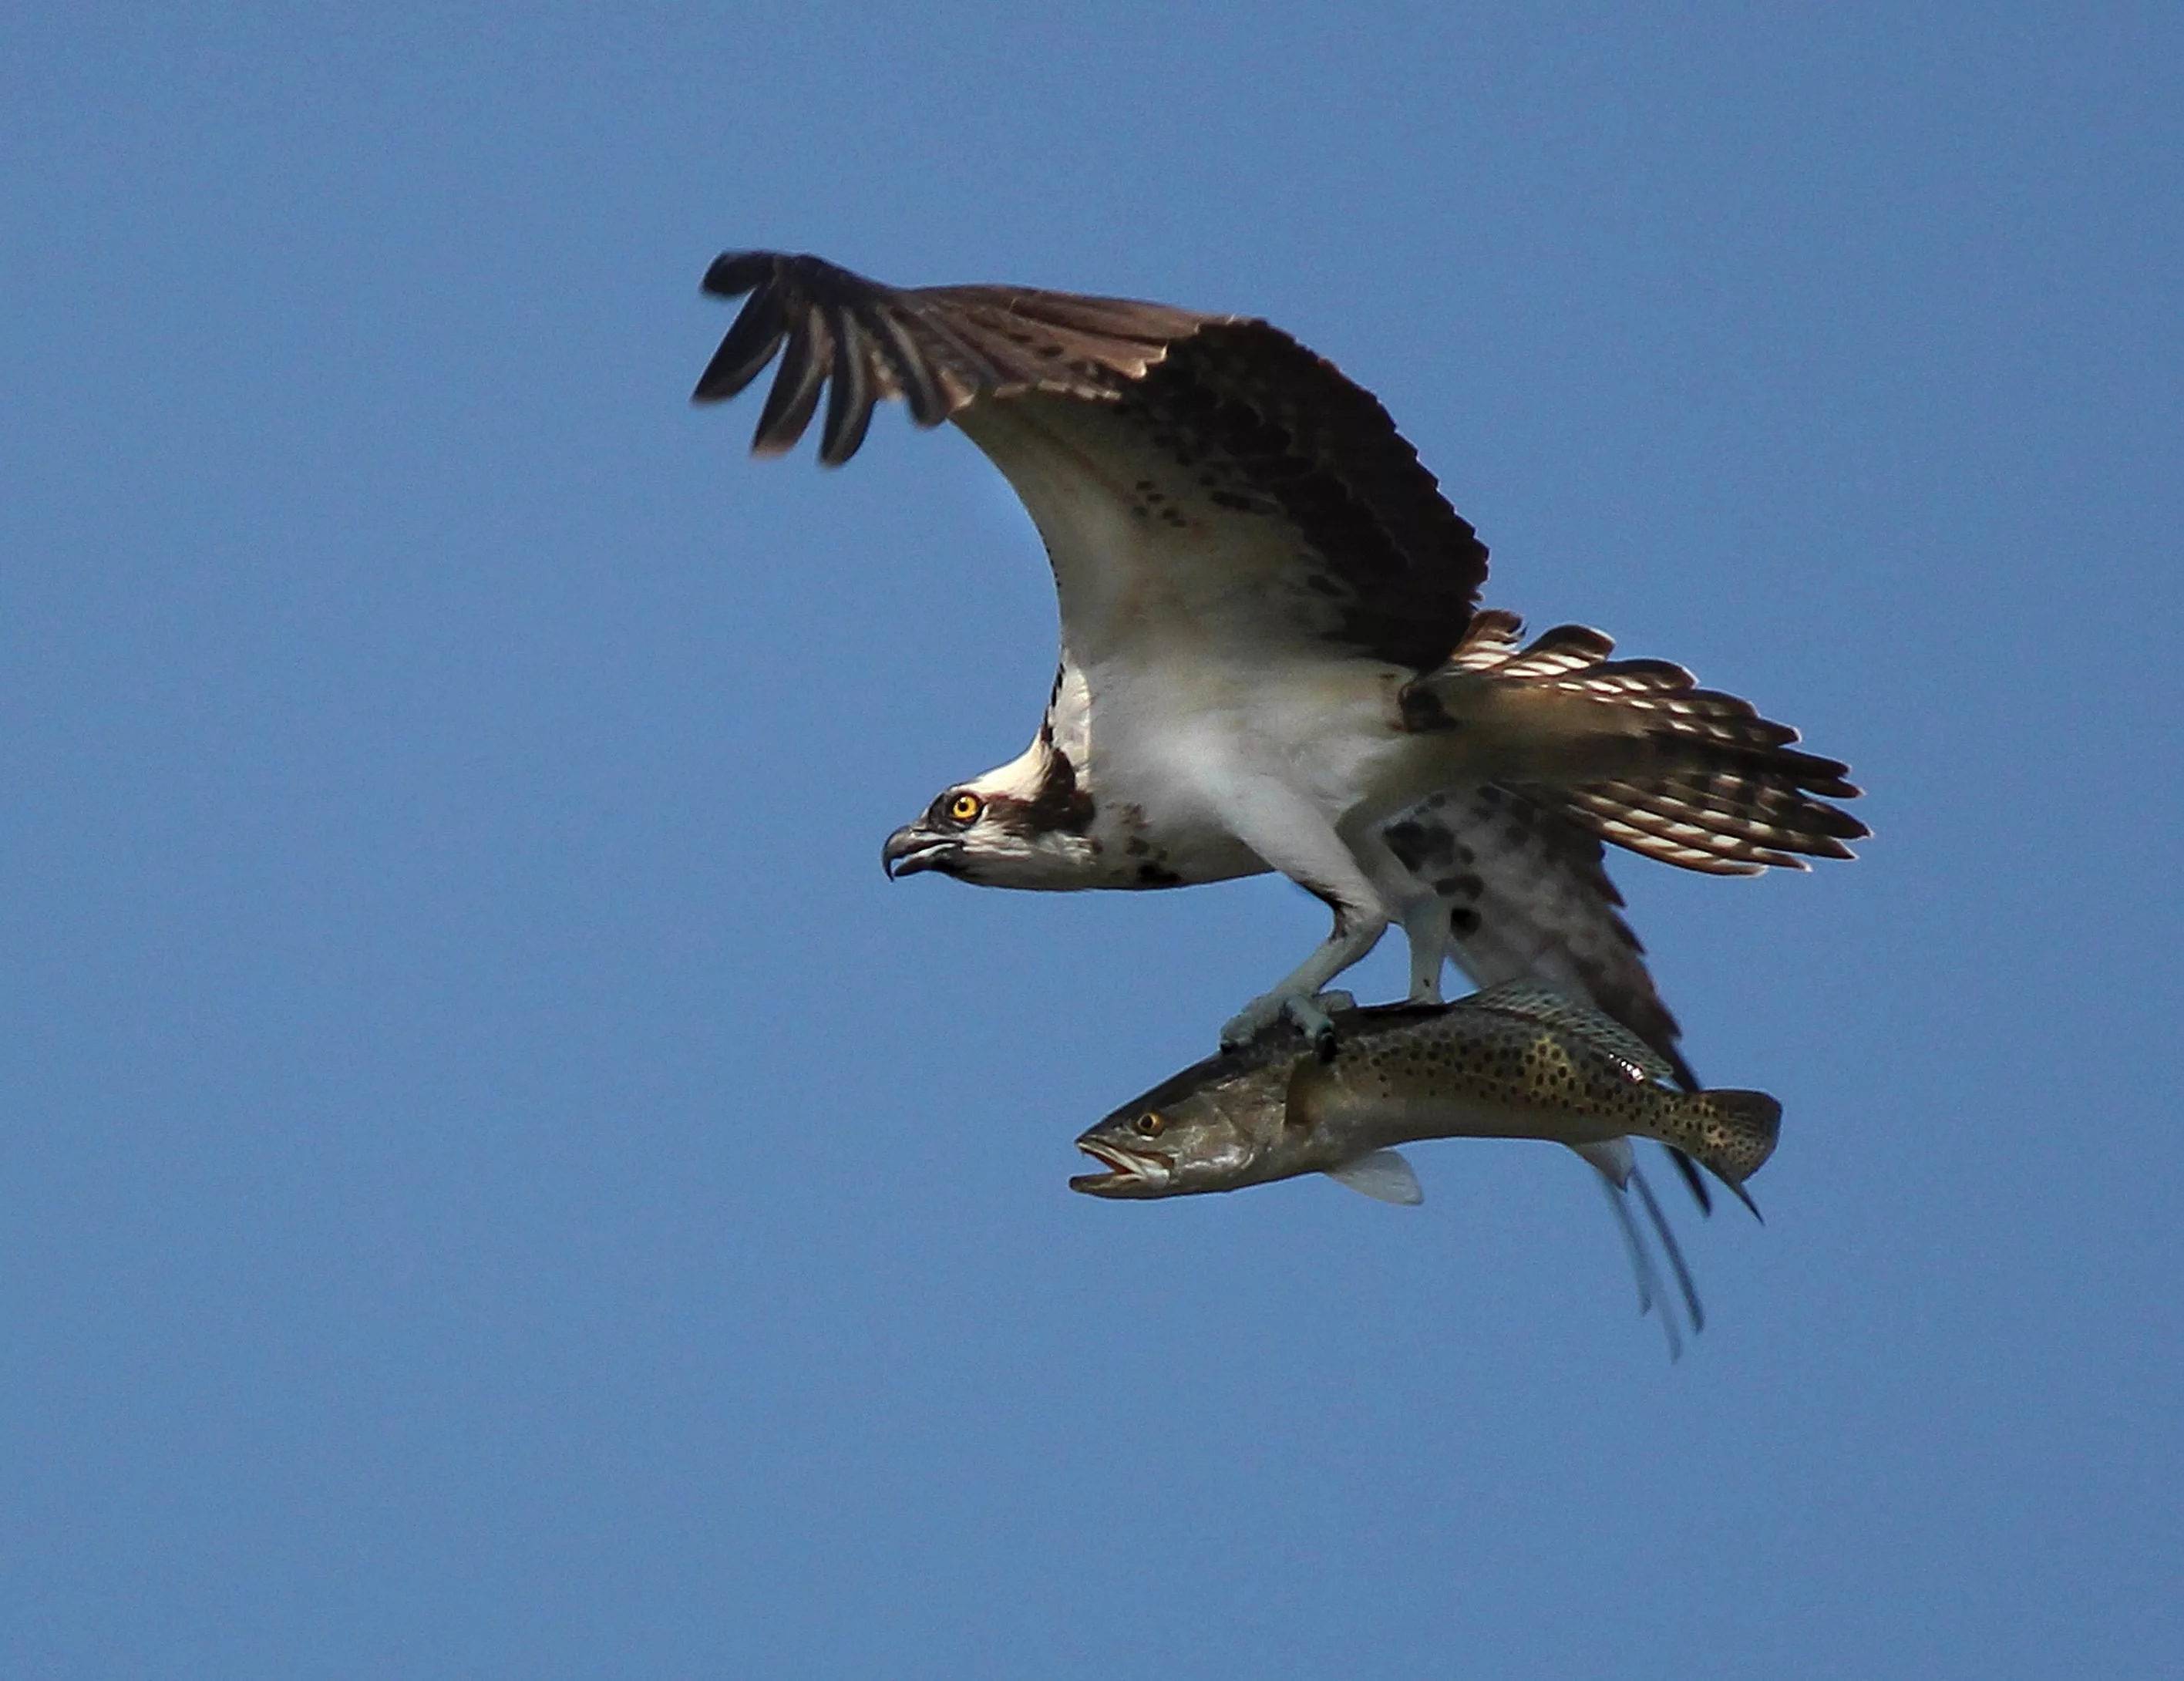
x,y
966,808
1151,1124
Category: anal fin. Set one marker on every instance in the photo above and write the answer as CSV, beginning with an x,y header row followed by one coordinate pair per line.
x,y
1384,1175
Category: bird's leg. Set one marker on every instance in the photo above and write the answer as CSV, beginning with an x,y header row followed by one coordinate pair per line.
x,y
1428,938
1298,999
1290,833
1421,910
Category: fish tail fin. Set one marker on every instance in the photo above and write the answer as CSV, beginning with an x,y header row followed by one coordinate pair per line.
x,y
1737,1133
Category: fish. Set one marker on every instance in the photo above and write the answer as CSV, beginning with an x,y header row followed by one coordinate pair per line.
x,y
1517,1060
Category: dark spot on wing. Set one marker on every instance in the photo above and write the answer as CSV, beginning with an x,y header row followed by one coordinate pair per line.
x,y
1292,434
1423,848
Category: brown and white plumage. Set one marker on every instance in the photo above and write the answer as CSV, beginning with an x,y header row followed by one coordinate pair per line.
x,y
1271,646
1183,420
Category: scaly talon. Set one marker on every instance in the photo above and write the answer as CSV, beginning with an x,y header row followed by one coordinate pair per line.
x,y
1309,1015
1306,1016
1250,1022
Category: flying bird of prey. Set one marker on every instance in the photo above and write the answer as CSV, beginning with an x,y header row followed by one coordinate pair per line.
x,y
1272,656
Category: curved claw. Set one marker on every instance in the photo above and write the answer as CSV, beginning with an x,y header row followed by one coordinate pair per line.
x,y
1305,1016
1250,1022
1301,1010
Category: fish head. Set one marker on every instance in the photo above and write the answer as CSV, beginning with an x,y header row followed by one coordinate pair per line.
x,y
1208,1128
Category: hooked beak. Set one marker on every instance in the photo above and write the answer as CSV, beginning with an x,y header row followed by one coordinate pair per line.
x,y
914,847
1132,1173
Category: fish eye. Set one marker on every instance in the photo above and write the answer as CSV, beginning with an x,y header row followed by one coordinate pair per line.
x,y
1150,1124
965,806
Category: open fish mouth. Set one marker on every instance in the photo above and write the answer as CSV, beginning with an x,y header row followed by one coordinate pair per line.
x,y
1131,1173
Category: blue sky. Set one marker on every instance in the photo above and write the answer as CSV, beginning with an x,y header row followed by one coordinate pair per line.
x,y
497,1182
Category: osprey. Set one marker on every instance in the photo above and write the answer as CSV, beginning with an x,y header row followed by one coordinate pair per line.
x,y
1272,656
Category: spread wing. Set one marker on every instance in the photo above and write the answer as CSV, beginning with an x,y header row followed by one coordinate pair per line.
x,y
1196,475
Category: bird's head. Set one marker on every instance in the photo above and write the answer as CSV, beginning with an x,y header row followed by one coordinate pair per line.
x,y
1024,825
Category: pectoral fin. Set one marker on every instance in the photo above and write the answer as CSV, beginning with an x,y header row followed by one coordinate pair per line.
x,y
1381,1173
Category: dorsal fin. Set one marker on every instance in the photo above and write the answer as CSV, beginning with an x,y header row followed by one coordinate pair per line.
x,y
1565,1014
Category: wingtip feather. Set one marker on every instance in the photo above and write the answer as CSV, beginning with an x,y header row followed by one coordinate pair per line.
x,y
732,273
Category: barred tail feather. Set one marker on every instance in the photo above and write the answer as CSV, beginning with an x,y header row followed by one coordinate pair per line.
x,y
1738,820
1489,640
1673,706
1636,751
1490,643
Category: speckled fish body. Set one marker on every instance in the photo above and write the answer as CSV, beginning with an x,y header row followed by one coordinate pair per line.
x,y
1516,1061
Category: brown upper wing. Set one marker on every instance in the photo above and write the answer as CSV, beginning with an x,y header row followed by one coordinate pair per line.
x,y
1264,455
938,347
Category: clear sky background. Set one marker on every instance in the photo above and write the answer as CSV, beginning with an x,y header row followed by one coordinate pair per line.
x,y
496,1183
